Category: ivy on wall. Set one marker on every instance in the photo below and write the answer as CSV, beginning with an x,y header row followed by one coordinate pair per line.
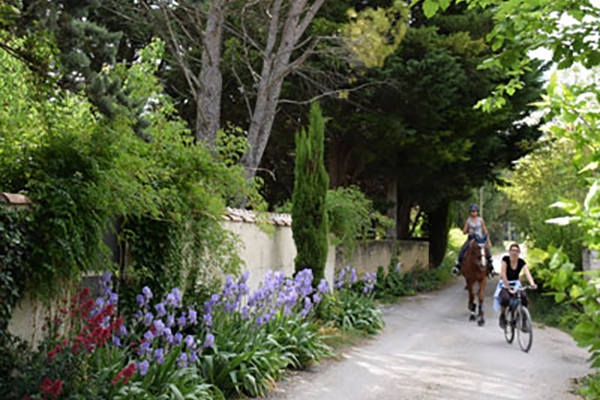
x,y
83,170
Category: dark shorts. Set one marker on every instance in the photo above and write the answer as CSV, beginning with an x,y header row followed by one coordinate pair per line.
x,y
505,297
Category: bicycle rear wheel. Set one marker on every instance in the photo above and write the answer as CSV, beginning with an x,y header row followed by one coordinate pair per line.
x,y
524,329
509,329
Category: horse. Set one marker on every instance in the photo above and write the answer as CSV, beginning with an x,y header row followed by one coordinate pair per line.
x,y
474,270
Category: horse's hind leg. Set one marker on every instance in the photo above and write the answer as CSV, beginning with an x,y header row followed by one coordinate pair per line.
x,y
481,319
471,300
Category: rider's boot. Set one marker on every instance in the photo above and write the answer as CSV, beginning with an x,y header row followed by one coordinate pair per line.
x,y
490,266
456,269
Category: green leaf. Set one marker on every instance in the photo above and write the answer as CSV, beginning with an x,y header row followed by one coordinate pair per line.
x,y
562,221
430,8
591,195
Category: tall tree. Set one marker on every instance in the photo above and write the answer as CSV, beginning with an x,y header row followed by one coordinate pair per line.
x,y
193,28
309,211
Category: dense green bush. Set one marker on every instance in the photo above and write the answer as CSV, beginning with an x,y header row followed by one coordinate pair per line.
x,y
13,255
352,218
351,305
580,292
84,172
539,181
309,211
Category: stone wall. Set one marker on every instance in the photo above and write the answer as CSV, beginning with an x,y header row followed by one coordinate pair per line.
x,y
369,256
260,252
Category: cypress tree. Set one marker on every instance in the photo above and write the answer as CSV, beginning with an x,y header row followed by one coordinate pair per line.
x,y
309,213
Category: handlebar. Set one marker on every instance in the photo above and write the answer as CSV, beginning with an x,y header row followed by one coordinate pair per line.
x,y
522,288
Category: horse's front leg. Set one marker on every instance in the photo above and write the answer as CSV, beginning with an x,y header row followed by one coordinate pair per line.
x,y
471,300
481,319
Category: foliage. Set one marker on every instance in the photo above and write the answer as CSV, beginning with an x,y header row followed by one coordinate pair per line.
x,y
590,386
581,290
522,26
535,184
392,284
309,208
84,172
352,305
13,254
352,217
573,116
374,34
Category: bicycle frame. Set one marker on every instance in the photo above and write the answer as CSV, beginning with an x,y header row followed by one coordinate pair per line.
x,y
518,319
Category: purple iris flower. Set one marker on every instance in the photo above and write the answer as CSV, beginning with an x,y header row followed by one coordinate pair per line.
x,y
140,300
189,341
160,327
353,277
193,316
149,336
323,286
160,310
148,319
207,319
170,320
210,341
143,367
147,293
144,349
159,356
182,361
178,338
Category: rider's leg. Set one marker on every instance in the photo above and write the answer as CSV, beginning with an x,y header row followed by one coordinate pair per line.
x,y
524,299
461,256
504,301
488,256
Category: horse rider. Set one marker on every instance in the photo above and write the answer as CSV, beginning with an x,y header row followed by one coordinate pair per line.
x,y
475,228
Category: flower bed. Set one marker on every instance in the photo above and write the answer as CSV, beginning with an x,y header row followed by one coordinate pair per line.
x,y
236,343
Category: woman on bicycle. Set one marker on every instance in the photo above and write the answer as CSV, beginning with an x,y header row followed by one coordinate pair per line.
x,y
475,227
512,266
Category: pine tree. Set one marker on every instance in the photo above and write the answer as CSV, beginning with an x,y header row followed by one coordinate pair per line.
x,y
309,213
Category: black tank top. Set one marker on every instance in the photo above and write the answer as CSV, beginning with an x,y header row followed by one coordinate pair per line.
x,y
513,274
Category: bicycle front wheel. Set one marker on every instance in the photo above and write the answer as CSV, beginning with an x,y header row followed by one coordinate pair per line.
x,y
509,329
524,329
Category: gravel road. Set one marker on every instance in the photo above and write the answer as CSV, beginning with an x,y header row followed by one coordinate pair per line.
x,y
429,350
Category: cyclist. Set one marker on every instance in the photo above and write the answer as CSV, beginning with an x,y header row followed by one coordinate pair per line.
x,y
475,227
512,266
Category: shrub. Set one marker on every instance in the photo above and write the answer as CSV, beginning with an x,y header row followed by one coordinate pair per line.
x,y
352,218
351,305
309,199
578,289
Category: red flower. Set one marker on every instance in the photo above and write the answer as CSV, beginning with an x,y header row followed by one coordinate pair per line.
x,y
50,388
127,372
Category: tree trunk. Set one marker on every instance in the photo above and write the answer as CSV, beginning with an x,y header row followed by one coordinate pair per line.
x,y
404,205
392,213
208,106
276,66
438,233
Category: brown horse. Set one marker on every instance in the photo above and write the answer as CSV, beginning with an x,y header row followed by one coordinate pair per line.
x,y
474,270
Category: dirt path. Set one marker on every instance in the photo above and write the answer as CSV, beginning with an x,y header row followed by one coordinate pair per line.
x,y
429,350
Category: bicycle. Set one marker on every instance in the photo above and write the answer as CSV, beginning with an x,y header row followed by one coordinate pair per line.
x,y
518,319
